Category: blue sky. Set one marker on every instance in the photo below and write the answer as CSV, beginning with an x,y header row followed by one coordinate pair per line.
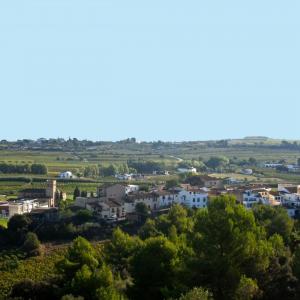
x,y
169,70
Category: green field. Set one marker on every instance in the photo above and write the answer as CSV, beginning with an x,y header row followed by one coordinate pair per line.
x,y
75,160
3,222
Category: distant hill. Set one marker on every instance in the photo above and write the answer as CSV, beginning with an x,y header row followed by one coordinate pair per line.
x,y
256,138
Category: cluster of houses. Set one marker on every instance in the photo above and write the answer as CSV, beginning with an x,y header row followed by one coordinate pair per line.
x,y
293,168
128,177
32,200
119,201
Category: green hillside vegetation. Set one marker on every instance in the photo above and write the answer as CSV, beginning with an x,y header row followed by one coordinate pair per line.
x,y
222,252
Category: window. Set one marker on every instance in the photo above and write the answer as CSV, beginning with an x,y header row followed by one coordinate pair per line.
x,y
194,199
198,199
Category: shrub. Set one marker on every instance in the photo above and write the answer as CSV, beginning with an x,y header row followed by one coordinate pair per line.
x,y
32,245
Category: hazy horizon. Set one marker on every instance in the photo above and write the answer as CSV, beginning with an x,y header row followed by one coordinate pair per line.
x,y
155,70
149,141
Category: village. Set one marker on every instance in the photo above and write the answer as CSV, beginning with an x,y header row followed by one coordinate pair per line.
x,y
120,201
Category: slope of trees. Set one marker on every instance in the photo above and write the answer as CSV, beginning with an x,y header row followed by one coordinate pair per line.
x,y
23,169
222,252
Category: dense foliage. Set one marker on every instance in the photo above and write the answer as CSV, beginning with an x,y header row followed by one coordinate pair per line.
x,y
23,169
222,252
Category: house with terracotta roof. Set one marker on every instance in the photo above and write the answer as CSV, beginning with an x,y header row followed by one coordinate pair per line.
x,y
150,199
112,208
117,191
260,196
290,194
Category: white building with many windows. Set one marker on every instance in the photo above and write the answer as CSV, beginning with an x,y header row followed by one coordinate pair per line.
x,y
193,198
21,207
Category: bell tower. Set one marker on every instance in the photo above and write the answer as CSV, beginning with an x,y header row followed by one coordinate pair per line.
x,y
50,192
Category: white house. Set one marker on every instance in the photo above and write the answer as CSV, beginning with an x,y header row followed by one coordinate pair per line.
x,y
261,196
66,175
20,207
123,176
293,168
290,194
187,170
193,198
272,165
153,200
131,188
167,198
247,171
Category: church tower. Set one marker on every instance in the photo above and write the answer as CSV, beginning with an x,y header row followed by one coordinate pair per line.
x,y
50,192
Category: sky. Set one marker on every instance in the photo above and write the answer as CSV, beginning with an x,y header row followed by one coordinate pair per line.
x,y
155,70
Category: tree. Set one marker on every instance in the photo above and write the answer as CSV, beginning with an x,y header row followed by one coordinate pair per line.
x,y
18,222
230,244
195,180
142,210
80,253
178,217
76,193
247,289
83,194
121,249
197,294
32,245
275,220
17,227
216,162
149,230
90,171
82,216
153,269
71,297
123,168
39,169
111,170
172,183
296,262
105,285
278,281
28,289
57,197
146,166
252,161
85,273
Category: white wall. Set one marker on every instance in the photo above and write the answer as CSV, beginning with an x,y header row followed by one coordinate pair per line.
x,y
193,199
